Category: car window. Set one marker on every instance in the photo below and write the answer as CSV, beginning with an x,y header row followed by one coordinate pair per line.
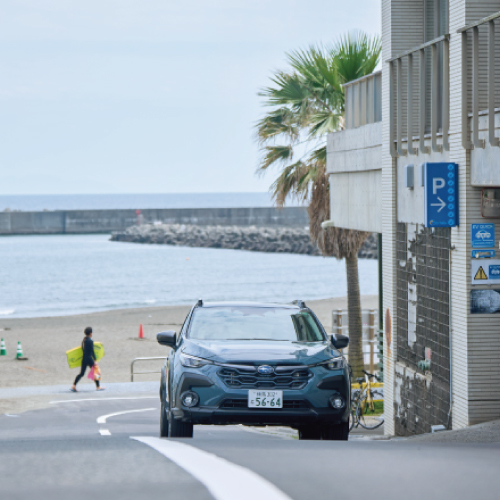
x,y
183,328
254,323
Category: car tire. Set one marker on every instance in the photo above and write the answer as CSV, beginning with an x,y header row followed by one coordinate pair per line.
x,y
338,432
179,429
163,421
309,432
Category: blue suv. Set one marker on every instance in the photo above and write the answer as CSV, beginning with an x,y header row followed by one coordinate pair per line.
x,y
255,364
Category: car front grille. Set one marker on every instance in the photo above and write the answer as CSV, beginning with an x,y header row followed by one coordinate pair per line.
x,y
247,377
288,404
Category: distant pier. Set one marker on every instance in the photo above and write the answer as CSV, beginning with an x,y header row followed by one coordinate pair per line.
x,y
107,221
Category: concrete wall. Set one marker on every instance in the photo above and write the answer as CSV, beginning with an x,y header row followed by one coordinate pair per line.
x,y
106,221
354,159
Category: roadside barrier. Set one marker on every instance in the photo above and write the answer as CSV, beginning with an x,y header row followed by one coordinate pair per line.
x,y
19,351
132,373
3,350
141,332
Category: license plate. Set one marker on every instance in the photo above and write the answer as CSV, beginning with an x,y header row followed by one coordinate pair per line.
x,y
265,399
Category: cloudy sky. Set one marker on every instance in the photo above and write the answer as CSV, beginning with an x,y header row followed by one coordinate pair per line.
x,y
143,96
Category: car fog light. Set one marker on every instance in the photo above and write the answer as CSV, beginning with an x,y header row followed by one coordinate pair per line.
x,y
337,402
189,399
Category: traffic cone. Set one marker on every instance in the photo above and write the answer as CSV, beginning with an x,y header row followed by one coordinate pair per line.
x,y
19,351
3,350
141,332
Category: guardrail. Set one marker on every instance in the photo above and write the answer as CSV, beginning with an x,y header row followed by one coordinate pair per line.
x,y
132,373
478,83
439,97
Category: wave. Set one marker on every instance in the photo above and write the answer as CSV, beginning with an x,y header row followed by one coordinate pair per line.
x,y
7,312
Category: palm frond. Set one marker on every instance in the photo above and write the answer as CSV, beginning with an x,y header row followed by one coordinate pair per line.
x,y
280,122
290,182
356,54
276,154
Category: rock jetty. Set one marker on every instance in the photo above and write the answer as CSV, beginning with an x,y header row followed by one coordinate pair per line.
x,y
252,238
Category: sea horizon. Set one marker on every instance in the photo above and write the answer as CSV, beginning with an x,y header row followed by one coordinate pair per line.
x,y
117,201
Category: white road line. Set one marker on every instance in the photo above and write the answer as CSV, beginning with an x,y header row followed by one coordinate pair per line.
x,y
102,419
224,480
104,432
98,399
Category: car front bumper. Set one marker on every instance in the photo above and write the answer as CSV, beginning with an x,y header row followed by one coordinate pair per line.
x,y
258,416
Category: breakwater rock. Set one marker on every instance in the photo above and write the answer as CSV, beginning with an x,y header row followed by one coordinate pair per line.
x,y
257,239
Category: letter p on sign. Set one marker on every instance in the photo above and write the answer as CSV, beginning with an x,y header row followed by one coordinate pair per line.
x,y
437,183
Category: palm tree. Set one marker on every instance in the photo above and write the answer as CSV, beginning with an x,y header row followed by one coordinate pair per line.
x,y
306,103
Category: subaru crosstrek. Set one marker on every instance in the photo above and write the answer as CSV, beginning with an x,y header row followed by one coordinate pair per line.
x,y
255,364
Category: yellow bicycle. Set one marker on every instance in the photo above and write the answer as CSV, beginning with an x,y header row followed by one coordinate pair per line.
x,y
367,405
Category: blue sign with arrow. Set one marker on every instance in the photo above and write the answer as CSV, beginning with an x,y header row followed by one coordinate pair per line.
x,y
441,194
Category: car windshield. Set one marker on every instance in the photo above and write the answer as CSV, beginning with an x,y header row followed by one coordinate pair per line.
x,y
254,323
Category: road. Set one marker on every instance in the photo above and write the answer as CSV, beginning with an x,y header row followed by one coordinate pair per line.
x,y
87,448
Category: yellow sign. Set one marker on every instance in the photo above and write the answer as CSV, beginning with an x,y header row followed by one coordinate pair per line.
x,y
480,275
75,355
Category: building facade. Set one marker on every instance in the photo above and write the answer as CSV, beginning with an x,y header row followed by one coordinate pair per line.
x,y
434,105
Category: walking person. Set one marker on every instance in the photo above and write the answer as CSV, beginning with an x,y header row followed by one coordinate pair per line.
x,y
88,359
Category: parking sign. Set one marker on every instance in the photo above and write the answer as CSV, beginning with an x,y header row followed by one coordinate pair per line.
x,y
441,194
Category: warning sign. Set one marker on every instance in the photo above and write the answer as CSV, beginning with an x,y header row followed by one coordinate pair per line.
x,y
485,271
480,275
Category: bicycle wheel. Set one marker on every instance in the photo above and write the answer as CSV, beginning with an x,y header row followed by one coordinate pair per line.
x,y
371,417
352,417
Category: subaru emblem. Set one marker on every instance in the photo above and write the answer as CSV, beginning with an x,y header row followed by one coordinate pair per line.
x,y
265,370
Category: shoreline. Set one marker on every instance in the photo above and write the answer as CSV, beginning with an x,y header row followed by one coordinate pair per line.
x,y
45,341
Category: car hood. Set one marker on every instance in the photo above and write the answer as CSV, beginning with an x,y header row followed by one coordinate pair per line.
x,y
260,351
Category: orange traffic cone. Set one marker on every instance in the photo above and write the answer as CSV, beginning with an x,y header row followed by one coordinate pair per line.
x,y
141,332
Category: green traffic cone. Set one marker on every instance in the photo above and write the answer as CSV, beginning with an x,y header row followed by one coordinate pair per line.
x,y
3,350
19,351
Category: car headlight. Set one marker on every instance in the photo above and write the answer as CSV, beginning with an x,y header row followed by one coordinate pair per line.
x,y
192,361
333,364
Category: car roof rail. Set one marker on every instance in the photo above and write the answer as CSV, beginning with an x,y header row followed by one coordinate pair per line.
x,y
299,303
199,303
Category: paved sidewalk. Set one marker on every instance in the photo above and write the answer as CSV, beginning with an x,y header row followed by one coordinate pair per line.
x,y
489,432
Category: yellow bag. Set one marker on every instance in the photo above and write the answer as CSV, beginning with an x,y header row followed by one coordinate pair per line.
x,y
75,355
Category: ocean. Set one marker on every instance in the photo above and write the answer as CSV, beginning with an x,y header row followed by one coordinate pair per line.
x,y
123,201
55,275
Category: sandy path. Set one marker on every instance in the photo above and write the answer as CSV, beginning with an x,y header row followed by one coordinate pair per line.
x,y
45,341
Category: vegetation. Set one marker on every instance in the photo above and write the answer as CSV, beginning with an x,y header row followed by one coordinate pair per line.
x,y
305,104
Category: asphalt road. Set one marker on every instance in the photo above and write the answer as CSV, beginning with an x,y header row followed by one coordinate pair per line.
x,y
63,452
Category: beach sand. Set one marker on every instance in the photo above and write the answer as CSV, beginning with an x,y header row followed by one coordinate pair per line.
x,y
46,340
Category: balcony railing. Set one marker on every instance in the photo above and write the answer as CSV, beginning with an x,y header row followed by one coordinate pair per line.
x,y
440,97
363,100
477,82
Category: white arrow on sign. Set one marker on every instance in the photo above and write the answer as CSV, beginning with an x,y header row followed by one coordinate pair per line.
x,y
441,205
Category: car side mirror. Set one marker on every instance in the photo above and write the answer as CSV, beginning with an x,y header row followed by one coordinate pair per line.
x,y
167,338
340,341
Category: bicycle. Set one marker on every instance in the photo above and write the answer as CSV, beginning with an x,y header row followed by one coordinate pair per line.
x,y
367,405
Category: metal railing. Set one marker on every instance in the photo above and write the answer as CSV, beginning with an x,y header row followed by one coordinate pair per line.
x,y
474,27
363,100
132,373
439,82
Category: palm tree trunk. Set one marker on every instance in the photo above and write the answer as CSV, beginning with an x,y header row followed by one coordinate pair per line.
x,y
354,313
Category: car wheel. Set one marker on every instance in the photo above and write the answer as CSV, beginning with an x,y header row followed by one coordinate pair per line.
x,y
178,429
338,432
163,421
309,432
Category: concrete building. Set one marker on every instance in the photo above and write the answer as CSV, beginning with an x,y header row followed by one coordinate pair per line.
x,y
435,105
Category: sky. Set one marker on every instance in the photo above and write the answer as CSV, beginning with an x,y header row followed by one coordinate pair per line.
x,y
147,96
